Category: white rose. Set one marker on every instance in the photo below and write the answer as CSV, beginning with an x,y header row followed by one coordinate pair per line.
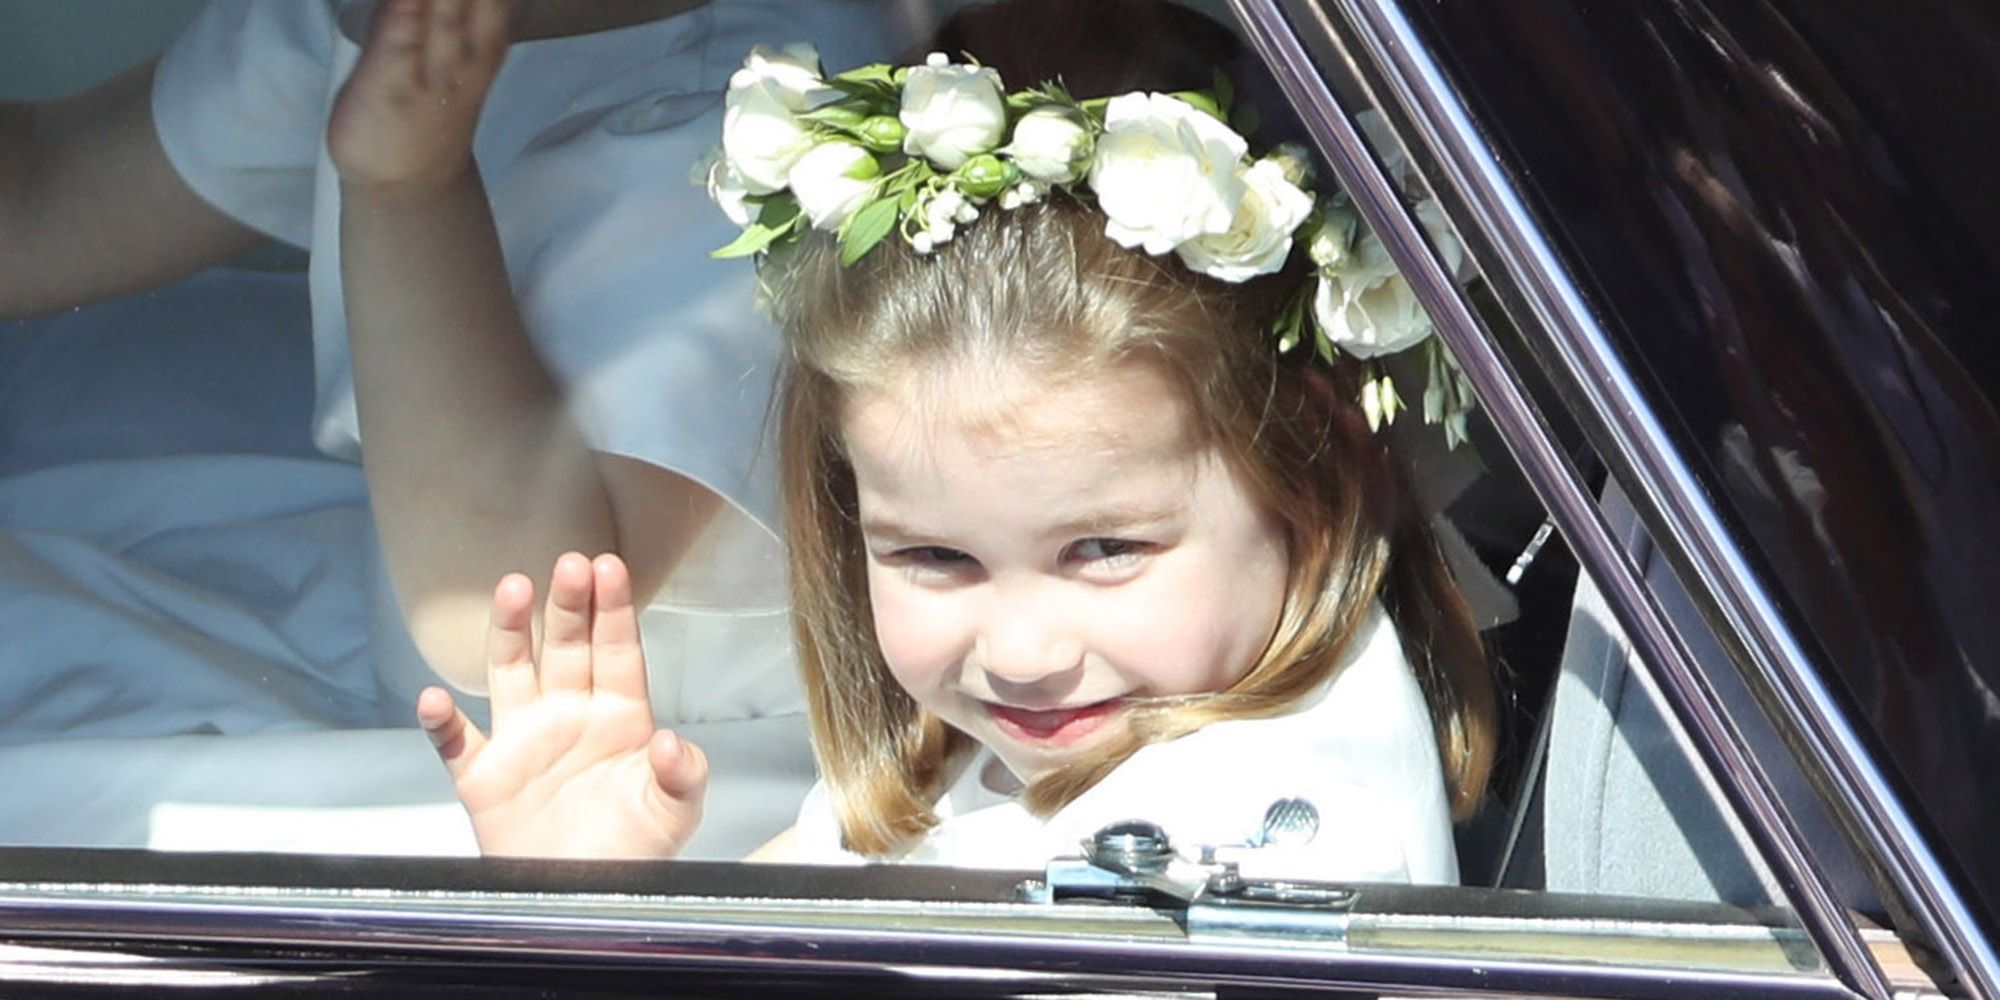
x,y
794,70
1164,172
832,181
953,113
1260,237
725,186
1051,144
1366,307
761,137
1334,239
761,134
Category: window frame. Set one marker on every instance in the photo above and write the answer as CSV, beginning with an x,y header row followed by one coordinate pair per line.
x,y
1371,47
262,914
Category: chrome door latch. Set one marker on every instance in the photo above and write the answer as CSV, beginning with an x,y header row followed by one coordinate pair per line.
x,y
1135,862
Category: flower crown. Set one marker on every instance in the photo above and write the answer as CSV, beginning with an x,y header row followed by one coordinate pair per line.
x,y
919,151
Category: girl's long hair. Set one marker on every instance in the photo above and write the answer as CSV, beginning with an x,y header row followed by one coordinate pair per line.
x,y
1043,288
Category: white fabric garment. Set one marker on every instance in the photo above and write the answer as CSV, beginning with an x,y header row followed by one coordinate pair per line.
x,y
176,557
1361,750
586,146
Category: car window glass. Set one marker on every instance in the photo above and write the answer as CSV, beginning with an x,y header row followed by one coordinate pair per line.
x,y
208,652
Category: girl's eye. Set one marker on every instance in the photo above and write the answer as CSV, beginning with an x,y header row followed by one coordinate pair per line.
x,y
932,555
1116,551
930,561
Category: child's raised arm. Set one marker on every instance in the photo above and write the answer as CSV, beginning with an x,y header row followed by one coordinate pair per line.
x,y
474,466
574,767
91,207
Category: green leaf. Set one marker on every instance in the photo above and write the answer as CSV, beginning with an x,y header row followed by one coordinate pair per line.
x,y
884,98
754,238
838,115
867,228
880,73
1225,92
1203,101
1324,344
779,211
907,177
1245,121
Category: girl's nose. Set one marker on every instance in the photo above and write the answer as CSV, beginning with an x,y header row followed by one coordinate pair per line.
x,y
1025,641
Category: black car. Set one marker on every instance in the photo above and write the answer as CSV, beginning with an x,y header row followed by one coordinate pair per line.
x,y
1728,343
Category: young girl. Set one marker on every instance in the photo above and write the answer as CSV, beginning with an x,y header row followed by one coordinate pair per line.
x,y
1072,540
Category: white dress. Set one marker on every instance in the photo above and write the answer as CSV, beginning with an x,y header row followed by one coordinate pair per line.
x,y
1360,749
205,581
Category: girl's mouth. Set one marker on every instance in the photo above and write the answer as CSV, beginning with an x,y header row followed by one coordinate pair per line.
x,y
1054,726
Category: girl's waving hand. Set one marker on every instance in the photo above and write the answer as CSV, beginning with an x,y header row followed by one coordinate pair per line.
x,y
575,766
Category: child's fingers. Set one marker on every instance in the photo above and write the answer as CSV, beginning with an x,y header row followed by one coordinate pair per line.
x,y
510,647
680,769
457,740
394,51
486,27
618,663
566,622
445,44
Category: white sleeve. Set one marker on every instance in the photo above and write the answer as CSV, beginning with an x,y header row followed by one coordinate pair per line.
x,y
240,100
660,349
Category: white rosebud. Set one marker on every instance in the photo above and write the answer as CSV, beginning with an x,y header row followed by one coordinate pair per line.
x,y
1297,162
725,186
1332,241
1051,144
1260,238
832,181
922,243
966,213
952,112
1365,307
1164,172
761,134
793,69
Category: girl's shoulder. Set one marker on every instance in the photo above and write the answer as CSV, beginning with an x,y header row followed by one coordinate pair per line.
x,y
1360,749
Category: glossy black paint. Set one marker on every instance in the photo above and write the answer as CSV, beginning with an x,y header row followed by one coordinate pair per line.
x,y
1784,211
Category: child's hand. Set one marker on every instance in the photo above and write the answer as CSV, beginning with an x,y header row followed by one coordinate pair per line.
x,y
407,114
574,767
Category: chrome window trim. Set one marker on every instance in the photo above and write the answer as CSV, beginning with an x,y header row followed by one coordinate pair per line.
x,y
1421,947
1659,481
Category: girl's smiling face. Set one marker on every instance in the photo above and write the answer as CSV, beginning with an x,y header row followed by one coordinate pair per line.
x,y
1041,556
